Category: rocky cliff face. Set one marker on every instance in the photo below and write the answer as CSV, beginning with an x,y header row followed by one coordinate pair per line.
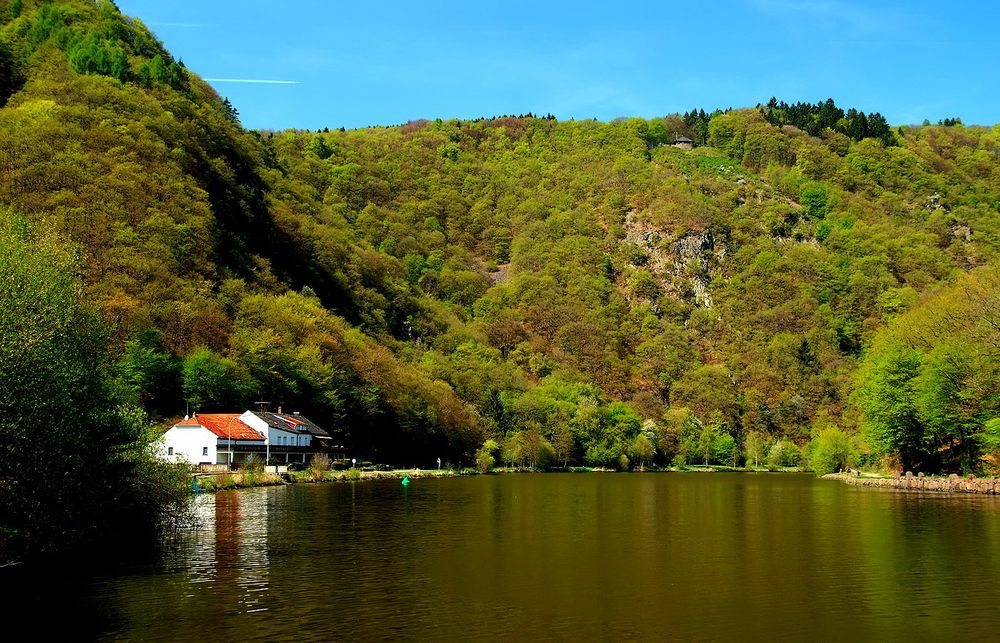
x,y
682,266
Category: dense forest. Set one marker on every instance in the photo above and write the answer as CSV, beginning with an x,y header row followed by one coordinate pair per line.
x,y
808,284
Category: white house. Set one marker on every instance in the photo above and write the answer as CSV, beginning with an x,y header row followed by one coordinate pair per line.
x,y
230,438
291,437
278,433
212,438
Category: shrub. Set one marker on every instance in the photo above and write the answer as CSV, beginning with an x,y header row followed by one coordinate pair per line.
x,y
832,450
545,457
318,466
252,464
485,459
783,453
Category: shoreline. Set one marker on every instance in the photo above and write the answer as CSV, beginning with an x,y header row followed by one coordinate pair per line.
x,y
214,482
920,483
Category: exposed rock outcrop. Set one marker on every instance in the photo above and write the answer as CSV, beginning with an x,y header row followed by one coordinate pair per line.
x,y
678,264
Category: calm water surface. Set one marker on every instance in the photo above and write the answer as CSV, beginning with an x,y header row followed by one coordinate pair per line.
x,y
554,556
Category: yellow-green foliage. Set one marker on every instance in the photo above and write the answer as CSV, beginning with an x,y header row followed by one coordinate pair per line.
x,y
928,388
424,287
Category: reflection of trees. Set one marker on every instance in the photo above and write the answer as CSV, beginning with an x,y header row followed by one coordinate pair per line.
x,y
914,563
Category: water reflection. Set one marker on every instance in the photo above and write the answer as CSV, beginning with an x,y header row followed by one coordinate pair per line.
x,y
230,556
654,556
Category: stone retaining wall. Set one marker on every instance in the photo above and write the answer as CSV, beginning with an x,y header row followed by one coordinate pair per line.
x,y
910,482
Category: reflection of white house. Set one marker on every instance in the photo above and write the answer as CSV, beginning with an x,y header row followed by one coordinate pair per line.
x,y
230,438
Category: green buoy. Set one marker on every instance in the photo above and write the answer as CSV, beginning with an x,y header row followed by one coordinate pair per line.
x,y
406,480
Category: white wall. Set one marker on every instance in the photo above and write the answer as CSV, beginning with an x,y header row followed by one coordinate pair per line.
x,y
254,422
189,443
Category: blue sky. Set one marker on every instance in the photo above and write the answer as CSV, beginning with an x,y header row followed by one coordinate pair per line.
x,y
381,63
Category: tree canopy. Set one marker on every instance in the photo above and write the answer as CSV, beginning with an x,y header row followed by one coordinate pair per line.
x,y
423,288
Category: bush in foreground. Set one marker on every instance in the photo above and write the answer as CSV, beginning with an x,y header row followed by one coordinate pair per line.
x,y
75,462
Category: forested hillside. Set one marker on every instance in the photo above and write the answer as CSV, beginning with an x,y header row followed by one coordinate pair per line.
x,y
575,291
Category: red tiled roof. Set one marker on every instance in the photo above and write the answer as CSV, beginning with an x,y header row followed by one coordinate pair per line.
x,y
226,425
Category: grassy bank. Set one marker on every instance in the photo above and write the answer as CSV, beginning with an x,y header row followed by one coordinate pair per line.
x,y
237,480
247,479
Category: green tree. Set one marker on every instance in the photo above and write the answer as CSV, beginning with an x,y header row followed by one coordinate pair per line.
x,y
886,400
207,382
642,450
545,455
784,453
832,450
724,450
513,451
94,472
706,442
563,443
151,373
927,387
755,448
486,456
815,201
320,148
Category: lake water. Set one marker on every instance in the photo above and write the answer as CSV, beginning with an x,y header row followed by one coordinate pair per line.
x,y
553,556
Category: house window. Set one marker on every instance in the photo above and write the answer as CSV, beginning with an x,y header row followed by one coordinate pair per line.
x,y
204,450
170,450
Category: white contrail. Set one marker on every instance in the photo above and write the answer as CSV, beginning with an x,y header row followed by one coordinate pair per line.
x,y
261,81
179,25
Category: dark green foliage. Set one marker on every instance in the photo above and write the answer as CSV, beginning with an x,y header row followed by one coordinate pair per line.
x,y
10,78
74,461
319,147
151,373
826,115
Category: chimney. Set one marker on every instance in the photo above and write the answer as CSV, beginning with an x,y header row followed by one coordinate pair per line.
x,y
297,413
279,409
